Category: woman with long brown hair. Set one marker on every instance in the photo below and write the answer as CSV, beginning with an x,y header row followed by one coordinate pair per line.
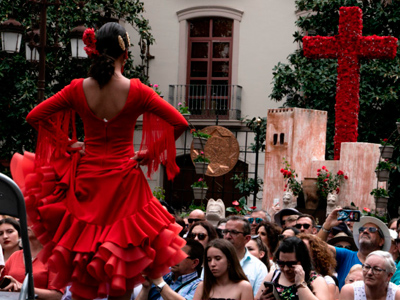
x,y
224,278
323,259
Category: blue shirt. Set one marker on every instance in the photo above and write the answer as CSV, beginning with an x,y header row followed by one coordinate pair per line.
x,y
345,260
187,291
254,269
396,276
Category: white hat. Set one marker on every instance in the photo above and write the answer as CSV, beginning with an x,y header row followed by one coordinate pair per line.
x,y
377,222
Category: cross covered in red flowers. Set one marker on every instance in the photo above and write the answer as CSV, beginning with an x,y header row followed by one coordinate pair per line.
x,y
348,47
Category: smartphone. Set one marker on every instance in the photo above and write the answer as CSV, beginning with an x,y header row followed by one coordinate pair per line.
x,y
4,282
349,215
271,287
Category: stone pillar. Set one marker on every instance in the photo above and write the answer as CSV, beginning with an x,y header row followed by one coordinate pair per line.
x,y
297,134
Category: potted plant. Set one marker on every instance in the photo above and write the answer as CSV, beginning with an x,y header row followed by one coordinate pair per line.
x,y
381,197
383,168
328,183
201,163
199,139
159,193
183,109
291,183
199,188
386,149
240,207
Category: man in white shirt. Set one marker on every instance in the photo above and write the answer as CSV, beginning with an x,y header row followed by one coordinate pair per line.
x,y
237,231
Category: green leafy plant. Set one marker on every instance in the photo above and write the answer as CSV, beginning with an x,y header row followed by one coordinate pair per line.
x,y
155,87
290,175
372,213
239,207
201,158
379,192
200,183
328,183
247,185
159,193
385,165
182,108
385,142
198,134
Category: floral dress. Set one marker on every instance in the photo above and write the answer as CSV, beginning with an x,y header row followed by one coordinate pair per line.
x,y
290,292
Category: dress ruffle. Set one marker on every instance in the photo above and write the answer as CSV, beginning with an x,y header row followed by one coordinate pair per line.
x,y
98,260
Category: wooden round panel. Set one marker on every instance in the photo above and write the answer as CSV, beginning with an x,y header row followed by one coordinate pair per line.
x,y
222,149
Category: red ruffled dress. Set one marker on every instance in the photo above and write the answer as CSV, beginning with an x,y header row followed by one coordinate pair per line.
x,y
95,214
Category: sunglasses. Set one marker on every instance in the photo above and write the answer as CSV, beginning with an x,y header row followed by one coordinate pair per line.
x,y
190,220
306,226
341,246
258,220
370,229
289,264
200,236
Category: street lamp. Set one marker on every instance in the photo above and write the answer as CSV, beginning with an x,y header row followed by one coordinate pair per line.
x,y
11,35
77,45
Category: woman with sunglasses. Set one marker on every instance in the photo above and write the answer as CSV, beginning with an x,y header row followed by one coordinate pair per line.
x,y
295,280
269,234
323,260
378,269
224,278
203,232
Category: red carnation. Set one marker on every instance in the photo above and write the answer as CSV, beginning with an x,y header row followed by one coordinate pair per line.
x,y
253,207
323,167
238,209
367,209
89,40
326,179
346,177
282,170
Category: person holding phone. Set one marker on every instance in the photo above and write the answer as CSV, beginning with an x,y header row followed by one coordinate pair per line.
x,y
224,278
295,280
369,234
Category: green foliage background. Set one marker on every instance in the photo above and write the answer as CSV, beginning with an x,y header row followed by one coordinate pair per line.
x,y
311,83
18,78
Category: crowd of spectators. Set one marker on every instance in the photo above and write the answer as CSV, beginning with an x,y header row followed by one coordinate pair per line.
x,y
255,256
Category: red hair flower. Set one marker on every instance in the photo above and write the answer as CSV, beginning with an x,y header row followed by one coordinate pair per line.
x,y
89,39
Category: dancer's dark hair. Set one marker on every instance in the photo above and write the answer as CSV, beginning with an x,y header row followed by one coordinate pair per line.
x,y
109,48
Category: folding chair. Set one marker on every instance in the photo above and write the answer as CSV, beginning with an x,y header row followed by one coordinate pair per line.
x,y
12,203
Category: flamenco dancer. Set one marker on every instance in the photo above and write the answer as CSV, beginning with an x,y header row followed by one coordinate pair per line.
x,y
89,203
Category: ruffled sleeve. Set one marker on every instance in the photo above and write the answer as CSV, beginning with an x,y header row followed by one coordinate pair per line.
x,y
55,122
162,125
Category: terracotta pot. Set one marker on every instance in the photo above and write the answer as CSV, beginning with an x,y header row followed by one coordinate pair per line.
x,y
383,175
386,151
310,193
381,202
201,167
199,193
199,143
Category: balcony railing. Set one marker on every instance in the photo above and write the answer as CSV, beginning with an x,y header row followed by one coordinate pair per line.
x,y
208,101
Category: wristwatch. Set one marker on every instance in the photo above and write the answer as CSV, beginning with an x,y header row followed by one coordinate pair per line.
x,y
302,285
160,286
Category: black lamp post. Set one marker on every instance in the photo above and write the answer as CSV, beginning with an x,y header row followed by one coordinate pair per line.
x,y
11,36
259,122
